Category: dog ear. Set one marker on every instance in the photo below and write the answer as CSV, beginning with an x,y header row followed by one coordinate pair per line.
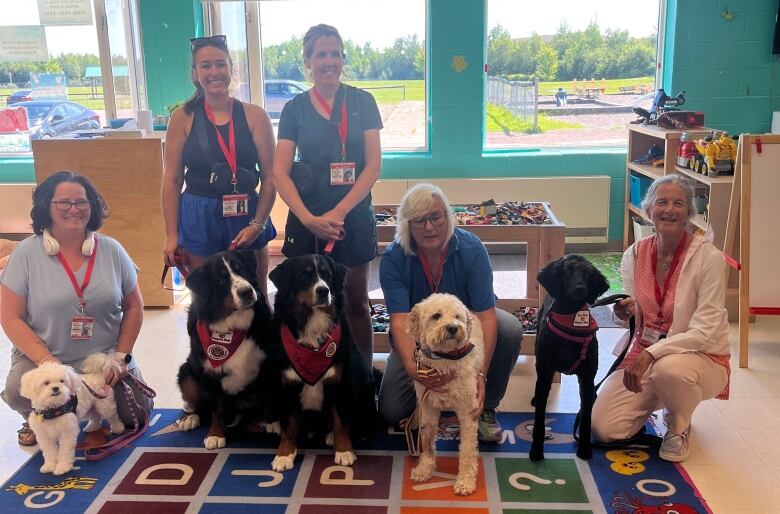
x,y
469,324
29,384
72,380
550,277
281,279
248,258
339,274
597,285
414,325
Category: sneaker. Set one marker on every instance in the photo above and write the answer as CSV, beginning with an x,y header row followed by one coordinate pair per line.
x,y
488,428
676,447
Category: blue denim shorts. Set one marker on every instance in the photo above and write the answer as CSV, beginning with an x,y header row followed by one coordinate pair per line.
x,y
203,231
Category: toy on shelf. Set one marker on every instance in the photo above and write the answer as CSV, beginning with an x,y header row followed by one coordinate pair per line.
x,y
721,155
662,103
654,154
486,213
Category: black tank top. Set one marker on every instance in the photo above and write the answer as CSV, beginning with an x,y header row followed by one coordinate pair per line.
x,y
198,167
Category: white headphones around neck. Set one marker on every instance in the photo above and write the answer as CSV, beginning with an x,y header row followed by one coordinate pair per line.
x,y
52,247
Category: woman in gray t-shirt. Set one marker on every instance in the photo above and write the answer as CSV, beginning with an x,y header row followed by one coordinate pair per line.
x,y
67,291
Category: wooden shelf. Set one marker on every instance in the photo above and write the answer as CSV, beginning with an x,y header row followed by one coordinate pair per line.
x,y
704,179
646,170
636,210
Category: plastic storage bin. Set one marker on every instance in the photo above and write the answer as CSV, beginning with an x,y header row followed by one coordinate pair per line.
x,y
638,186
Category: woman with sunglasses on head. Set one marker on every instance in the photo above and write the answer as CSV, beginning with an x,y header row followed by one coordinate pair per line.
x,y
431,255
335,130
68,292
213,146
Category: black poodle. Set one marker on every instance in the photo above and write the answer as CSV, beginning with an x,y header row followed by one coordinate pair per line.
x,y
566,341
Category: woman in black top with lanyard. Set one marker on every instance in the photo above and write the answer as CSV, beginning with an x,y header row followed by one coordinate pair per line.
x,y
219,141
335,129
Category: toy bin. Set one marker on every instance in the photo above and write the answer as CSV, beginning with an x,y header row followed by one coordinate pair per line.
x,y
638,186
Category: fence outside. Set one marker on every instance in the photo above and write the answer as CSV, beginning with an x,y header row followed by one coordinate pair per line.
x,y
519,98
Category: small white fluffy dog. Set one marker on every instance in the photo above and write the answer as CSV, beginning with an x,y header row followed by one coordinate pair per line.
x,y
59,402
450,341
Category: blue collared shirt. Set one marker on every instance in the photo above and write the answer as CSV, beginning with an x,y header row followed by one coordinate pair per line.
x,y
467,274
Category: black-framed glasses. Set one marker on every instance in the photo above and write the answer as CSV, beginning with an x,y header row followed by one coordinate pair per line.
x,y
215,40
65,205
437,219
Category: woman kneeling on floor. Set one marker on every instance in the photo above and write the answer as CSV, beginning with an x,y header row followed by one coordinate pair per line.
x,y
679,355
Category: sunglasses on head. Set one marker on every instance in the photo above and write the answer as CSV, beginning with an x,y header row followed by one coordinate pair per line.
x,y
216,40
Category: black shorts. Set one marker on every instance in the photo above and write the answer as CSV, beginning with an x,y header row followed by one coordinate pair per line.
x,y
357,248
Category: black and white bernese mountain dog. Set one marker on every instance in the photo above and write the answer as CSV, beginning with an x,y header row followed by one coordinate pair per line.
x,y
228,322
325,386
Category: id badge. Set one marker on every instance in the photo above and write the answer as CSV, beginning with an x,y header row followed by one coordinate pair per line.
x,y
222,337
81,327
651,335
235,205
342,173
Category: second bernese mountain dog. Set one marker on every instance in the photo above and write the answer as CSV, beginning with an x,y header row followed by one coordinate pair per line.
x,y
324,384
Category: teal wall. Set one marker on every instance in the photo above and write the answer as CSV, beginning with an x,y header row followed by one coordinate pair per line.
x,y
726,66
166,28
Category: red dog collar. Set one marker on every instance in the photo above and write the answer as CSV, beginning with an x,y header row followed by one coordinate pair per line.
x,y
219,346
453,355
311,364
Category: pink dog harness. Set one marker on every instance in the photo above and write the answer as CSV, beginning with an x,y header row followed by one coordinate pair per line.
x,y
578,327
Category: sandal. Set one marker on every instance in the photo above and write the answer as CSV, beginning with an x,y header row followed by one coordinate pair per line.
x,y
26,435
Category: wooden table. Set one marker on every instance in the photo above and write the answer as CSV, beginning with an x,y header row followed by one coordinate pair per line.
x,y
544,243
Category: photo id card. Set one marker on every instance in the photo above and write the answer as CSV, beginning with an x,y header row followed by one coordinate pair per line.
x,y
235,205
81,327
342,173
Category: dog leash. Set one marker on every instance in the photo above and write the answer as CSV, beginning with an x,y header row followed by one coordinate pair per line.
x,y
140,421
412,442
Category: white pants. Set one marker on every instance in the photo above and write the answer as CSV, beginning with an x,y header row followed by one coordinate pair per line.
x,y
678,382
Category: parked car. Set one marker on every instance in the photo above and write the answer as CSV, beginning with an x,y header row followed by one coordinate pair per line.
x,y
23,95
277,93
49,118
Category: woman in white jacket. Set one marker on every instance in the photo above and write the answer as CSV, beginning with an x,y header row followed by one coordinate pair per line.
x,y
679,355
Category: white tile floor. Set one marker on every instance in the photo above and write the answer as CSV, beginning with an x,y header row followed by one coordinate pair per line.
x,y
735,461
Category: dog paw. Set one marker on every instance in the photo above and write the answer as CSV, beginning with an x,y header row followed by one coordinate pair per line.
x,y
214,442
91,426
345,458
189,422
584,452
117,428
283,462
536,454
48,467
464,486
329,439
61,469
272,428
422,473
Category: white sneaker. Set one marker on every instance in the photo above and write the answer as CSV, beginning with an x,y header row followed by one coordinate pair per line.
x,y
676,447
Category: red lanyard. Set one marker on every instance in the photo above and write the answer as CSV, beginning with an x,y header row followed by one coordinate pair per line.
x,y
661,295
343,123
426,270
88,275
229,153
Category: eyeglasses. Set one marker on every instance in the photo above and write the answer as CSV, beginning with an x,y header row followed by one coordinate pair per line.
x,y
65,205
437,219
215,40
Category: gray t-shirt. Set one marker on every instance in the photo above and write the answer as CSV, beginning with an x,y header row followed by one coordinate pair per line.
x,y
52,301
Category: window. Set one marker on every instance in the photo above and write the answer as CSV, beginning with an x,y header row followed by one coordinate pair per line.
x,y
384,43
568,75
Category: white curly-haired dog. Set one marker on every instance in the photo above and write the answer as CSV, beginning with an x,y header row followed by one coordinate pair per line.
x,y
59,402
449,340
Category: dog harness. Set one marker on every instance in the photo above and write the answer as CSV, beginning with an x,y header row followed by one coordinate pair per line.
x,y
311,364
578,327
56,412
219,346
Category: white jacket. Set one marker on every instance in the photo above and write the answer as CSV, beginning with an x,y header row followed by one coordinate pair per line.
x,y
700,320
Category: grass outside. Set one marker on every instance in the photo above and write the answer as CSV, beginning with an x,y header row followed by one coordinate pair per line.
x,y
499,119
612,86
392,91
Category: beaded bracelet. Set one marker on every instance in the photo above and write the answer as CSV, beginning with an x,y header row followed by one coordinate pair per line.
x,y
256,224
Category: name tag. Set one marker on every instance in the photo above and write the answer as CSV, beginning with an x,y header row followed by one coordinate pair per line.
x,y
652,335
582,319
222,337
342,173
235,205
81,327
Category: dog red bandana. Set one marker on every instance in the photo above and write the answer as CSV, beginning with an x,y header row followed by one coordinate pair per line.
x,y
219,346
311,364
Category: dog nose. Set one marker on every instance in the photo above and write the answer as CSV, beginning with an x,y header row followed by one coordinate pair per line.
x,y
55,389
580,291
246,293
322,291
452,329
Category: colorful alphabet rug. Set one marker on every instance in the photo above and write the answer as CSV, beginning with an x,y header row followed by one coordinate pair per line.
x,y
167,471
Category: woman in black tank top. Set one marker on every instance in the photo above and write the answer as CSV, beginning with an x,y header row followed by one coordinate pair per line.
x,y
206,218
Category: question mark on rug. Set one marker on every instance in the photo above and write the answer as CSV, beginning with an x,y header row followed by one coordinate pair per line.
x,y
514,480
